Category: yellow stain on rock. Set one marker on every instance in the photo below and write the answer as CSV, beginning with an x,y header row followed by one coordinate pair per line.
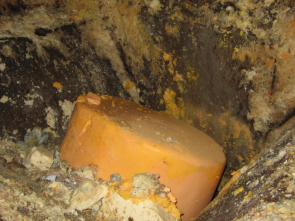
x,y
238,190
191,76
177,77
171,29
231,131
248,195
159,90
57,85
166,56
172,62
237,128
179,80
240,158
171,107
128,85
223,122
202,118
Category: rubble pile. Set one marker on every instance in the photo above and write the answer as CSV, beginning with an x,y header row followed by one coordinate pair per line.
x,y
35,184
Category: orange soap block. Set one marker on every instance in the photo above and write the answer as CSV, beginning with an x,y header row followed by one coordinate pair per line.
x,y
120,136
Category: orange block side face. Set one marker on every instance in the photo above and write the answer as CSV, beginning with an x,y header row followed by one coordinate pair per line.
x,y
123,137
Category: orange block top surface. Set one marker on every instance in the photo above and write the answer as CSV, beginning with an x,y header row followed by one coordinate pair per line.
x,y
120,136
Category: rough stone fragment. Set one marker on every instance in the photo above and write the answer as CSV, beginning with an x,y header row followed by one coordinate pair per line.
x,y
88,172
87,194
39,158
116,207
143,184
263,190
59,192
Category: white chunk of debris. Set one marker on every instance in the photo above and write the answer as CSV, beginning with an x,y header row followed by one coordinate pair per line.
x,y
51,178
67,108
4,99
39,158
88,172
87,194
31,97
59,192
51,117
2,66
8,157
116,207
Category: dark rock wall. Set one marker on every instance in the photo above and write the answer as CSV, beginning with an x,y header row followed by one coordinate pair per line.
x,y
29,97
263,190
225,67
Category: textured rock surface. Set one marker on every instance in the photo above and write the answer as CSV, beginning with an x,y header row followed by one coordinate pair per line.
x,y
262,190
224,66
116,207
59,193
87,194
